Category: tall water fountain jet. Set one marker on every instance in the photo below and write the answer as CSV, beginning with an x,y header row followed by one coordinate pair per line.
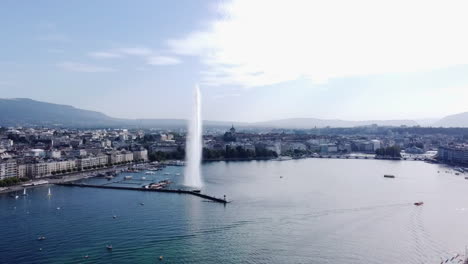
x,y
193,149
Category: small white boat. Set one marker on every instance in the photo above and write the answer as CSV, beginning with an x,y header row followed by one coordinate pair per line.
x,y
128,177
16,197
143,178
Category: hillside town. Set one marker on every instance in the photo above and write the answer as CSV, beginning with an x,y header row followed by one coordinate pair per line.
x,y
39,152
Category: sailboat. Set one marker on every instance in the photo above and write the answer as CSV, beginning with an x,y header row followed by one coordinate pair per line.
x,y
49,193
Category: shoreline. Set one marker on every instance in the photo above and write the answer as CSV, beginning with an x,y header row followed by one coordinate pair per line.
x,y
63,179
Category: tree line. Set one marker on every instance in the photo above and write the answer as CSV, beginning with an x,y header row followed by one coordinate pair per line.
x,y
12,181
392,152
229,152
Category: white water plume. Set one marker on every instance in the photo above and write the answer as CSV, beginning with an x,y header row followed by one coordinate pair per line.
x,y
193,150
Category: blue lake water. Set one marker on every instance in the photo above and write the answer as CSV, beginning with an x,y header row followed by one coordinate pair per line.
x,y
297,211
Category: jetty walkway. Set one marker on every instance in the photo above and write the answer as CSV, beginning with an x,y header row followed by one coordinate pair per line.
x,y
179,191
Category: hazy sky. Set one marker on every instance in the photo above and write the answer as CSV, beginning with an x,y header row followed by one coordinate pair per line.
x,y
254,60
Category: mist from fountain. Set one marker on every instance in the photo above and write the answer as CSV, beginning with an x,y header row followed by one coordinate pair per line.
x,y
193,150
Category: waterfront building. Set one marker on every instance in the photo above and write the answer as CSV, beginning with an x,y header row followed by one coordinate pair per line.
x,y
140,155
120,157
453,154
8,169
61,166
38,169
22,171
92,162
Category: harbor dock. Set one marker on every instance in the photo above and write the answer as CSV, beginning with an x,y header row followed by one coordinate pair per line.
x,y
179,191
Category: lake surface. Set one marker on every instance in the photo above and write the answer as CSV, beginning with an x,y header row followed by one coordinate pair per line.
x,y
297,211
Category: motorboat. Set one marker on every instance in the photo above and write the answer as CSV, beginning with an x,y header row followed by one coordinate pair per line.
x,y
109,247
389,176
128,177
41,238
418,203
160,185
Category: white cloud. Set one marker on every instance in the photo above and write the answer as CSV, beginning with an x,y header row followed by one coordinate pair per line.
x,y
150,56
104,55
80,67
265,42
163,60
138,51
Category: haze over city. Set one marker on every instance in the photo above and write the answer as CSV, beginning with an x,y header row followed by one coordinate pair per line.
x,y
254,61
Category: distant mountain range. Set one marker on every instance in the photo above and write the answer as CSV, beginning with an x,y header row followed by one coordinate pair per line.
x,y
23,111
457,120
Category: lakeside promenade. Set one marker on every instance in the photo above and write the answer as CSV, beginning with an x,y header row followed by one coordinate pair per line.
x,y
65,178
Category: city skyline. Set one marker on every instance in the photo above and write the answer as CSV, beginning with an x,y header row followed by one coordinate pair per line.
x,y
143,61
